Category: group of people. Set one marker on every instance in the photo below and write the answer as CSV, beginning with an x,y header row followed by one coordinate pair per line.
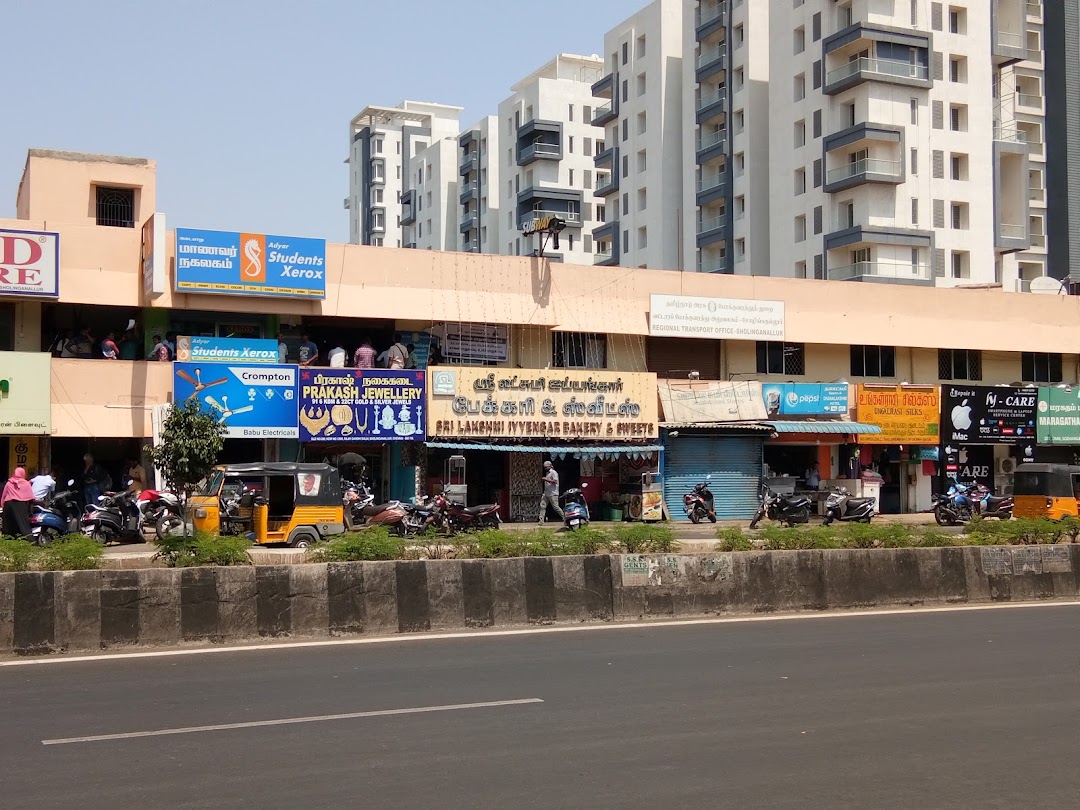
x,y
397,356
84,345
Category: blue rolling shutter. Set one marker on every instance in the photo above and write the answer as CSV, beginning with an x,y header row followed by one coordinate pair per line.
x,y
735,465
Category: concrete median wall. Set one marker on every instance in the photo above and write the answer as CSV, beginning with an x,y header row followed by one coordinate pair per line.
x,y
94,610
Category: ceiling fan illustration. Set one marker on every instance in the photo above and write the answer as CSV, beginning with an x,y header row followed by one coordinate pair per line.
x,y
223,407
197,381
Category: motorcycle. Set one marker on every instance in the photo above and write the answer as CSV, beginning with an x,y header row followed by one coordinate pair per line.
x,y
114,517
457,517
699,503
787,510
841,506
56,518
989,505
394,515
954,506
356,498
575,508
153,505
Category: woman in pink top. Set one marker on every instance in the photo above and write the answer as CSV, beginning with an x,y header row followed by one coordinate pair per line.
x,y
364,357
15,504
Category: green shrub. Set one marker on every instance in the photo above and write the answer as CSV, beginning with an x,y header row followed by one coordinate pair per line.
x,y
496,543
17,555
779,538
1070,527
203,549
931,537
586,540
370,544
644,538
732,539
72,552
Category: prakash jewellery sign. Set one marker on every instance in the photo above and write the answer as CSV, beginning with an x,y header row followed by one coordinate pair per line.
x,y
905,415
226,350
541,403
1058,421
361,405
982,414
234,263
805,399
690,402
731,318
25,397
30,263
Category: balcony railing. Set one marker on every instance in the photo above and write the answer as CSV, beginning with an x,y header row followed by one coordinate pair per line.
x,y
879,67
1034,9
711,181
707,224
710,55
569,217
540,150
1009,134
602,111
711,264
602,256
1029,100
865,166
880,270
1037,194
1012,231
1007,39
707,14
1038,240
708,99
710,140
468,188
605,183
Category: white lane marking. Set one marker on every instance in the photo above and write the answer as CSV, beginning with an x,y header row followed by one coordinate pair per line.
x,y
291,721
529,631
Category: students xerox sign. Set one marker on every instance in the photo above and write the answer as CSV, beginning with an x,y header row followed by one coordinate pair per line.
x,y
231,263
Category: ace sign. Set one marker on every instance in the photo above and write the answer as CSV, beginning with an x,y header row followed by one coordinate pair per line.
x,y
29,263
981,414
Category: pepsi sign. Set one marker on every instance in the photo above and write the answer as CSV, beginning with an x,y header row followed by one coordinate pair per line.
x,y
30,263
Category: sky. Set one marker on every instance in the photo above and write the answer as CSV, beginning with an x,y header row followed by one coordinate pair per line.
x,y
245,105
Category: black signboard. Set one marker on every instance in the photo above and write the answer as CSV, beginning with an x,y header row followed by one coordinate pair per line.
x,y
981,414
970,463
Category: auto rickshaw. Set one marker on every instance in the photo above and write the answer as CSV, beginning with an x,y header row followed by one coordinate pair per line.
x,y
1046,491
292,503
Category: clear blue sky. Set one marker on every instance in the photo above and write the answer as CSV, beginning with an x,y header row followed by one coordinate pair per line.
x,y
245,105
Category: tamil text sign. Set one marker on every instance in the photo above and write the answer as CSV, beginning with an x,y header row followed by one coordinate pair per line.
x,y
730,318
254,401
152,255
805,399
705,402
30,263
226,350
233,263
981,414
1058,421
25,397
539,403
476,342
905,415
361,405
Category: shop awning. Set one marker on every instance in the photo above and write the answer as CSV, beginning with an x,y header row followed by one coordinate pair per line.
x,y
721,427
555,450
825,427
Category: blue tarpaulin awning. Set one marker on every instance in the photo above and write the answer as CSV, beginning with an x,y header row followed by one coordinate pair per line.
x,y
825,427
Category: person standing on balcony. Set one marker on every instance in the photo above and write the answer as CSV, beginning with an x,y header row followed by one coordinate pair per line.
x,y
109,349
160,351
309,352
365,355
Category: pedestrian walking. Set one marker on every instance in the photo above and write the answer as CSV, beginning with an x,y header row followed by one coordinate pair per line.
x,y
551,493
15,504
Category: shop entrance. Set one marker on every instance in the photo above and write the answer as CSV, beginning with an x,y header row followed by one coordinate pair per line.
x,y
485,475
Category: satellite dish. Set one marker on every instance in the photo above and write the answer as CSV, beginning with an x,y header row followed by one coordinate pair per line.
x,y
1047,285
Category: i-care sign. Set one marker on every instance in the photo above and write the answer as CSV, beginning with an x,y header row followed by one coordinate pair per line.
x,y
30,263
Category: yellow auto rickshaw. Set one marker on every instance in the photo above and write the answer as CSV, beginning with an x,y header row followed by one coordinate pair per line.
x,y
1046,491
291,503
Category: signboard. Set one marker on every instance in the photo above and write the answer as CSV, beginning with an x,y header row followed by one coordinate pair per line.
x,y
153,256
730,318
421,343
541,403
25,395
705,402
905,415
29,263
254,401
981,414
23,453
230,263
805,399
970,463
1058,420
361,405
476,341
226,350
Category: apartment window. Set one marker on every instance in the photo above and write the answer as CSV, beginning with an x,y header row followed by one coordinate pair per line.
x,y
800,40
377,196
800,228
115,207
958,70
800,133
625,89
570,112
957,21
740,206
578,350
626,241
586,146
625,165
639,50
586,113
800,181
397,147
959,167
601,213
800,269
740,36
641,84
376,146
847,214
914,13
625,52
1041,367
570,176
625,129
958,118
776,357
817,123
570,242
873,361
740,78
914,160
800,87
377,241
626,203
642,199
914,210
641,123
959,364
599,147
642,238
740,164
740,250
959,216
961,265
586,180
740,121
844,17
570,145
848,119
914,111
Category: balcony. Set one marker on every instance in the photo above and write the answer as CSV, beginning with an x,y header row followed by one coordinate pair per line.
x,y
604,257
1013,231
608,157
711,104
864,170
409,244
864,69
469,191
377,179
1029,100
709,19
606,185
883,273
539,140
605,114
408,206
1009,134
469,162
711,60
571,218
711,187
1009,46
605,87
711,228
711,145
538,151
1034,10
470,246
469,222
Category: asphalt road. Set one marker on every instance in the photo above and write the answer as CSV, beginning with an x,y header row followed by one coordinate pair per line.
x,y
972,709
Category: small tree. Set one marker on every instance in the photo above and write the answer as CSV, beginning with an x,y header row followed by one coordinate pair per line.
x,y
191,441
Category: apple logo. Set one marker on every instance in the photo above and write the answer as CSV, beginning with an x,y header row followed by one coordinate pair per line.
x,y
961,416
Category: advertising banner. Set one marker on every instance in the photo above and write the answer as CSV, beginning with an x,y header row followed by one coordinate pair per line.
x,y
153,255
472,342
805,399
1058,421
421,343
982,414
372,405
692,402
541,403
701,317
25,395
254,401
906,415
226,350
29,263
231,263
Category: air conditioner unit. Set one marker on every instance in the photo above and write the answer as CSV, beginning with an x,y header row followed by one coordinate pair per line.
x,y
1006,466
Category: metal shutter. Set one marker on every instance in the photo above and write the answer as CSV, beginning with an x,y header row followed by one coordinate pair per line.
x,y
734,462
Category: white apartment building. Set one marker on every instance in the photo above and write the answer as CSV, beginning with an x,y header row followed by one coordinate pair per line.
x,y
901,142
382,143
547,140
478,193
429,200
639,160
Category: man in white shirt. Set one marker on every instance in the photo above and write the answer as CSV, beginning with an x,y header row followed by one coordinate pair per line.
x,y
337,357
397,356
282,350
43,485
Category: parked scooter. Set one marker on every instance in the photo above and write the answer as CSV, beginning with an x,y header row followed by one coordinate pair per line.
x,y
59,517
355,498
114,517
153,505
393,515
575,508
954,506
841,506
787,510
989,505
699,503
